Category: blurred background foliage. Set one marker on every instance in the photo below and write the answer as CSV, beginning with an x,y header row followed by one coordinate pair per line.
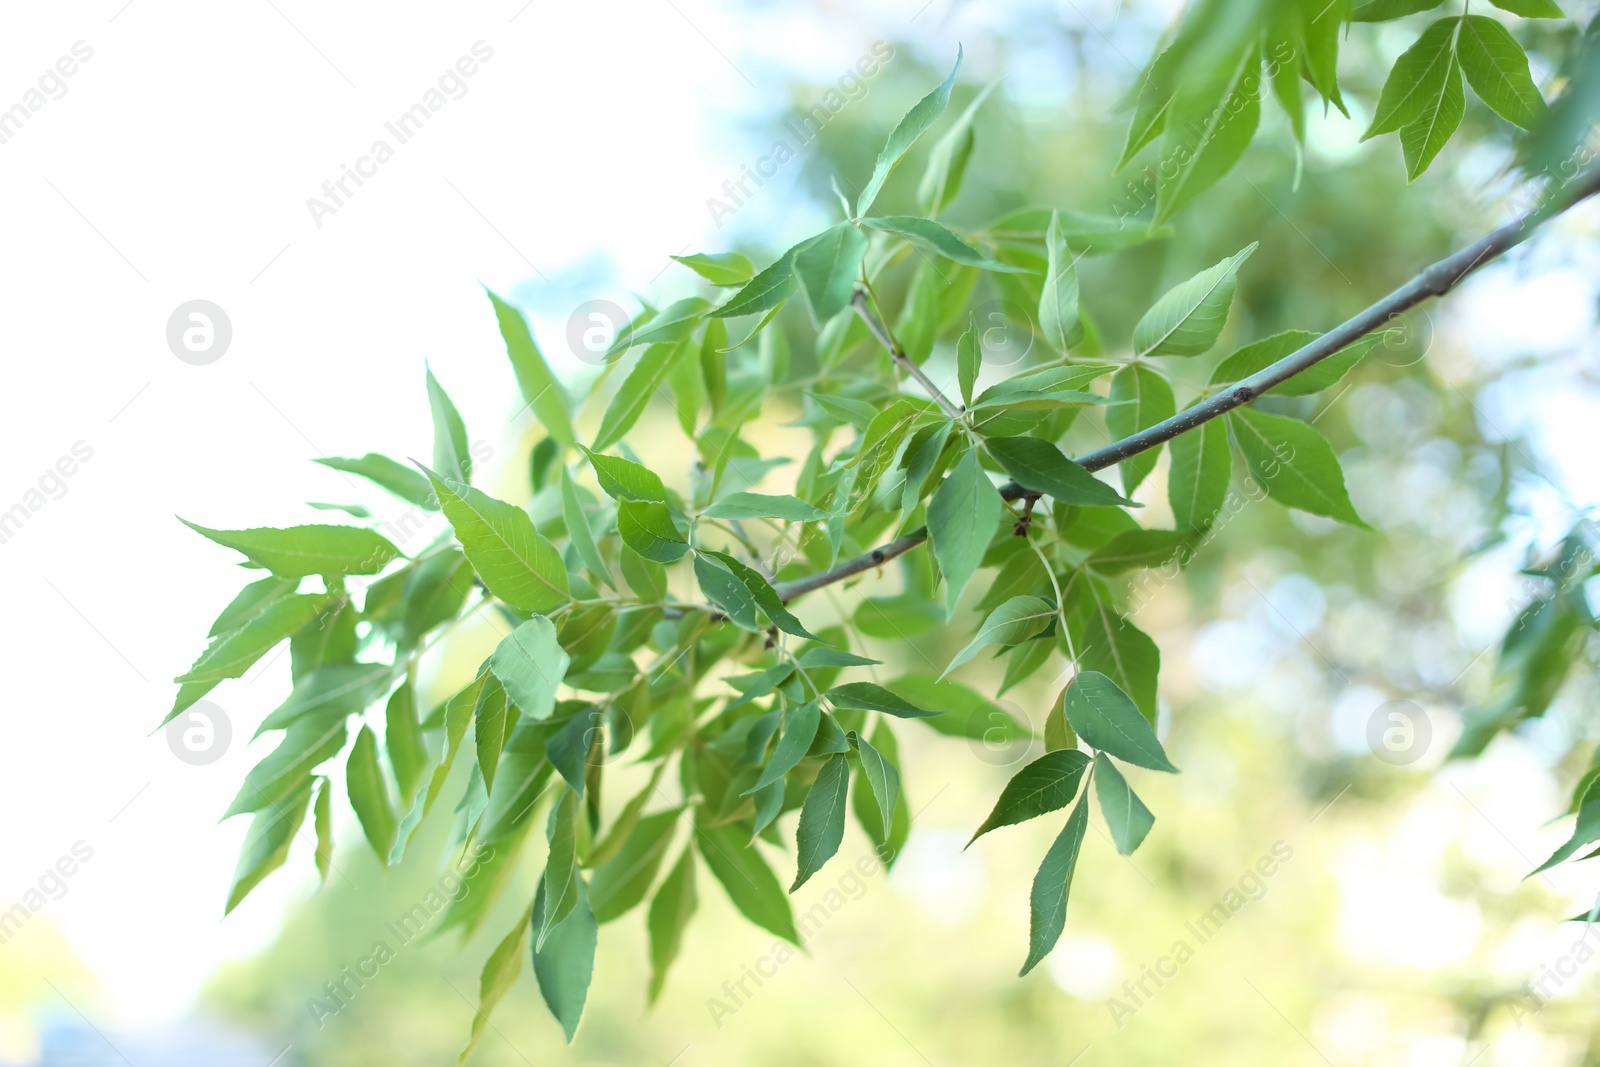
x,y
1401,930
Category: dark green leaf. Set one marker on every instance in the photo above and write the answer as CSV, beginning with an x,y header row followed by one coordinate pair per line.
x,y
869,696
1047,784
1048,901
821,819
1038,465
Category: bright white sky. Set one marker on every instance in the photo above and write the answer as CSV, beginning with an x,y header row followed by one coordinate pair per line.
x,y
177,166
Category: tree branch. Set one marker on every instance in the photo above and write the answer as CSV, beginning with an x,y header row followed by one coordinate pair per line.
x,y
1435,281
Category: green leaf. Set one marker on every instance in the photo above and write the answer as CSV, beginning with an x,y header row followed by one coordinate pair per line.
x,y
489,718
1531,9
579,530
1058,302
724,589
649,530
499,974
969,361
233,654
517,563
397,478
1048,901
821,819
764,292
1141,397
869,696
1189,317
798,733
947,161
369,795
1197,483
287,768
1260,355
674,905
1047,784
266,845
1104,641
962,517
749,882
331,692
298,551
563,961
1387,10
540,389
1321,21
451,450
761,506
1585,831
560,881
457,717
827,266
1207,131
1134,549
622,882
725,269
402,738
906,133
569,747
672,324
963,712
322,818
1152,104
623,479
1124,812
766,597
1038,465
1011,623
1294,463
1497,69
641,386
932,237
1418,77
434,592
884,779
1108,720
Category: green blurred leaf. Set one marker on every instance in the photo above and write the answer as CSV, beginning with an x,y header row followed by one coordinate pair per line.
x,y
369,794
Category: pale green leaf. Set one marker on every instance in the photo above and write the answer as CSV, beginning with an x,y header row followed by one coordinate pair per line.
x,y
1189,317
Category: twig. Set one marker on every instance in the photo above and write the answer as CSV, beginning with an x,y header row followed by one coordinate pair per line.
x,y
881,332
1436,280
